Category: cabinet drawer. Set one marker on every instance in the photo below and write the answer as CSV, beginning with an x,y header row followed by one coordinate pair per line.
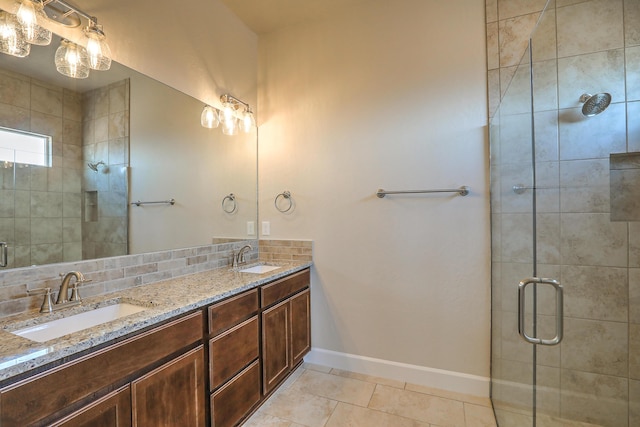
x,y
234,401
281,289
232,351
33,399
230,312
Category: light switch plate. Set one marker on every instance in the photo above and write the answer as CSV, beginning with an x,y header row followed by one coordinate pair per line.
x,y
266,228
251,228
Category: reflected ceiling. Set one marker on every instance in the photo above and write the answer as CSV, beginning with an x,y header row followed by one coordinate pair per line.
x,y
267,16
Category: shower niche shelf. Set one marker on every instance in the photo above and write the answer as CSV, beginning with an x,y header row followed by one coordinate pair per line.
x,y
90,206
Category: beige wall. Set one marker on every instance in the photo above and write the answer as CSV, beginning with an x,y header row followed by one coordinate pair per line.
x,y
172,156
388,95
198,47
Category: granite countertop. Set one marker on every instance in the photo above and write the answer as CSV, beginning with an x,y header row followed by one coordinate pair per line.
x,y
163,300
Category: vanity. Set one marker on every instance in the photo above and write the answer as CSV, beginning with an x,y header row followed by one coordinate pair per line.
x,y
208,349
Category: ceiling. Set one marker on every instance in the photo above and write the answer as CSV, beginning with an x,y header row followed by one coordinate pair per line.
x,y
265,16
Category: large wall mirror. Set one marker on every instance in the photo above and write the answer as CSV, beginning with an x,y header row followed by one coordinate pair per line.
x,y
116,138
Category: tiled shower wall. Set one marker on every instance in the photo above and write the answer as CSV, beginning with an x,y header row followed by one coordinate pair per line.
x,y
105,139
40,208
581,46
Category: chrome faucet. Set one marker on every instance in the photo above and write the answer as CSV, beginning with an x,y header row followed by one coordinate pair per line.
x,y
239,258
63,299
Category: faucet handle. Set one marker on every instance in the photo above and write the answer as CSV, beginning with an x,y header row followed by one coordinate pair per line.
x,y
75,294
39,291
47,303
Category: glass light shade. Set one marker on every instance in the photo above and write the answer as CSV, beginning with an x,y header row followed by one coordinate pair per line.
x,y
248,122
12,41
30,14
230,127
72,60
97,48
209,117
227,114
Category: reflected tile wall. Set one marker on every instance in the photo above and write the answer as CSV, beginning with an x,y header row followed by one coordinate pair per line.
x,y
105,131
580,46
35,208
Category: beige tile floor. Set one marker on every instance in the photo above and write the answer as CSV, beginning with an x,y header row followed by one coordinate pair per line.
x,y
318,396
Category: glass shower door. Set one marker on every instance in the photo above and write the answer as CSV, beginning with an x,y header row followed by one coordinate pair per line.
x,y
564,206
586,214
513,250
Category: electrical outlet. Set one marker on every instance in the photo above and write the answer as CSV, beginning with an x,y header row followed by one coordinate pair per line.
x,y
266,228
251,228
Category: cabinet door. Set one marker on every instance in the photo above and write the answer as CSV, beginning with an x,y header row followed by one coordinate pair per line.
x,y
172,395
276,350
113,410
300,326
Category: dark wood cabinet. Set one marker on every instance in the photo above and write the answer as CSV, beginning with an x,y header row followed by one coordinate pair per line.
x,y
286,328
300,326
51,395
232,351
113,410
232,402
230,312
276,345
171,395
234,358
158,378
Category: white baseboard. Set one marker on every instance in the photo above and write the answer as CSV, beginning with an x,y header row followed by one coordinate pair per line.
x,y
421,375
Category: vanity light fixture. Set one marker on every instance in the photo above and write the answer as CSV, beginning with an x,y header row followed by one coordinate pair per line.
x,y
95,42
230,127
97,47
18,31
31,15
235,115
209,117
72,60
230,115
12,40
248,120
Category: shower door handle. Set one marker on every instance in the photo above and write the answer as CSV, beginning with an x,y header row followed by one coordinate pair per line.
x,y
4,259
559,311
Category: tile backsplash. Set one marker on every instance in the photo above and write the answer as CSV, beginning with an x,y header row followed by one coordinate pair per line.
x,y
285,250
116,273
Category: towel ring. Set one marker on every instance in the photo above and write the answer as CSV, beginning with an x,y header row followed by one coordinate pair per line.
x,y
234,205
286,195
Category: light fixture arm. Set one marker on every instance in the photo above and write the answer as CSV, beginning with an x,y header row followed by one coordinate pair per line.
x,y
232,99
72,9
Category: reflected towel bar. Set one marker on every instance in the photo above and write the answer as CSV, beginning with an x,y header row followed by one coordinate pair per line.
x,y
463,191
167,202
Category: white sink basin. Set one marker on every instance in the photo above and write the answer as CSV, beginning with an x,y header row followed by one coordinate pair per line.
x,y
68,325
259,269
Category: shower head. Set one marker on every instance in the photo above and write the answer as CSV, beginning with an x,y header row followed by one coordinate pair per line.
x,y
595,104
94,166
